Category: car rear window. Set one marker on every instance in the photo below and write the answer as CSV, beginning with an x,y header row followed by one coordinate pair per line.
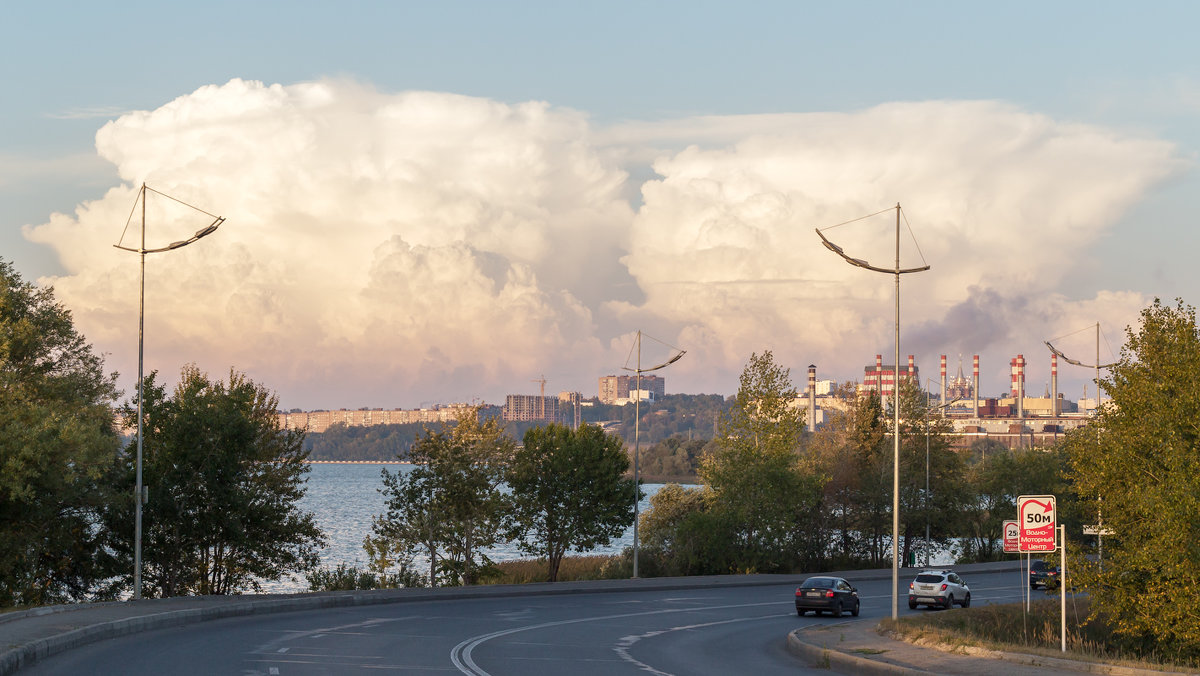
x,y
929,578
821,582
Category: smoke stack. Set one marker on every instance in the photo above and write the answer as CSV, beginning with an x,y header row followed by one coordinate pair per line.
x,y
942,367
1054,385
1018,384
912,371
812,397
975,382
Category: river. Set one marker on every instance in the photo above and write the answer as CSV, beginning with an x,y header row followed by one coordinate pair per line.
x,y
344,498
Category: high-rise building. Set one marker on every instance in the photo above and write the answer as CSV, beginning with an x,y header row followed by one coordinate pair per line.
x,y
530,407
617,389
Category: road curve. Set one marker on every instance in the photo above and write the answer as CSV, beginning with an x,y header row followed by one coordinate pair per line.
x,y
636,627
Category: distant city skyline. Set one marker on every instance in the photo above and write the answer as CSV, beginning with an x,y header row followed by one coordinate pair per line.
x,y
444,202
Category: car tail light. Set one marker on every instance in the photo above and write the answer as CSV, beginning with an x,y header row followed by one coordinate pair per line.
x,y
829,594
798,592
943,586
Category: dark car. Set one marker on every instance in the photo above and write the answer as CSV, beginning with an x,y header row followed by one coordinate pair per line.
x,y
1043,574
824,593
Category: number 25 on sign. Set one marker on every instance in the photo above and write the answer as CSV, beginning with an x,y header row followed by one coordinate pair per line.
x,y
1037,519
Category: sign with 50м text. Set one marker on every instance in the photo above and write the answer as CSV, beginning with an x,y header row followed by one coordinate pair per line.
x,y
1036,518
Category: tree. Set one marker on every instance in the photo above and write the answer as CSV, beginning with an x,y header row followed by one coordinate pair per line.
x,y
450,504
569,491
224,483
1145,463
923,435
58,446
755,473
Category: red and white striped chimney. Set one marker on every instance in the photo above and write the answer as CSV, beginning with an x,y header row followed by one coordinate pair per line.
x,y
942,368
1018,386
812,397
1054,384
975,382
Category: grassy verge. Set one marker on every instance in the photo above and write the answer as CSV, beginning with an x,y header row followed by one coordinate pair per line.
x,y
572,568
1009,628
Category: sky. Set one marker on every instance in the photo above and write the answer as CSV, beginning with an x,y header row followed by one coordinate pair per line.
x,y
448,202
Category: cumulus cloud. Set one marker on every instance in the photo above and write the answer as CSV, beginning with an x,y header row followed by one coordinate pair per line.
x,y
388,249
1000,203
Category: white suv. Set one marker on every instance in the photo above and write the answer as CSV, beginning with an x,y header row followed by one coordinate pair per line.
x,y
941,588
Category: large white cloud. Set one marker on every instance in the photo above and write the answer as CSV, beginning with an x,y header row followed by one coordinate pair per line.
x,y
1001,203
389,249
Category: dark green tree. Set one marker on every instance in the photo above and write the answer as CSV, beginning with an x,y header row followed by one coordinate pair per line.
x,y
569,491
1144,463
450,505
224,483
923,435
756,475
995,480
58,446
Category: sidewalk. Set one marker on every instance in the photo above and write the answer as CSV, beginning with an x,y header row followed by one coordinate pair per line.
x,y
856,647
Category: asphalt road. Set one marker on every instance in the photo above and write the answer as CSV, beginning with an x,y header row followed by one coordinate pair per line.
x,y
696,631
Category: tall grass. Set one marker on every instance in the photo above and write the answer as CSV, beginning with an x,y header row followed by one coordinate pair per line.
x,y
1008,627
572,568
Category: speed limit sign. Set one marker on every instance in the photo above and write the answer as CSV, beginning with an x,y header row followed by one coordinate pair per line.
x,y
1037,519
1012,537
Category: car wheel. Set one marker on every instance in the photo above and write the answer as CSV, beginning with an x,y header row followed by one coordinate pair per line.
x,y
967,601
837,609
1032,585
854,610
800,612
912,606
950,601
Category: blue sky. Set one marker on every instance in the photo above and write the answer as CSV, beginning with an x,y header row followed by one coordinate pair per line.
x,y
641,83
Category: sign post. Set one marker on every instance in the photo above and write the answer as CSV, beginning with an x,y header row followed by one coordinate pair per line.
x,y
1037,520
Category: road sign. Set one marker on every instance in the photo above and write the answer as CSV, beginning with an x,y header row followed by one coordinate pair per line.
x,y
1097,530
1012,537
1037,519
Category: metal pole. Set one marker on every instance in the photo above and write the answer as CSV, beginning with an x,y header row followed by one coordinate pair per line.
x,y
1062,580
926,501
137,498
637,419
896,435
1100,499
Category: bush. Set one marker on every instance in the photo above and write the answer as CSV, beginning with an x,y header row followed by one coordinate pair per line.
x,y
572,568
350,578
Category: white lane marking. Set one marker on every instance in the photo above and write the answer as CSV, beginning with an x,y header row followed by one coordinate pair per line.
x,y
274,671
273,646
282,650
626,642
460,656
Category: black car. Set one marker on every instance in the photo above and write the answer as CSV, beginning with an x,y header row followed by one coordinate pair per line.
x,y
1043,574
823,593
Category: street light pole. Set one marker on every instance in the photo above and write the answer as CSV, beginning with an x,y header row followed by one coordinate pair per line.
x,y
896,270
925,501
139,491
637,421
1097,366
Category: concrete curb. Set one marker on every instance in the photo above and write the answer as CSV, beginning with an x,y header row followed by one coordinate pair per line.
x,y
150,614
832,658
